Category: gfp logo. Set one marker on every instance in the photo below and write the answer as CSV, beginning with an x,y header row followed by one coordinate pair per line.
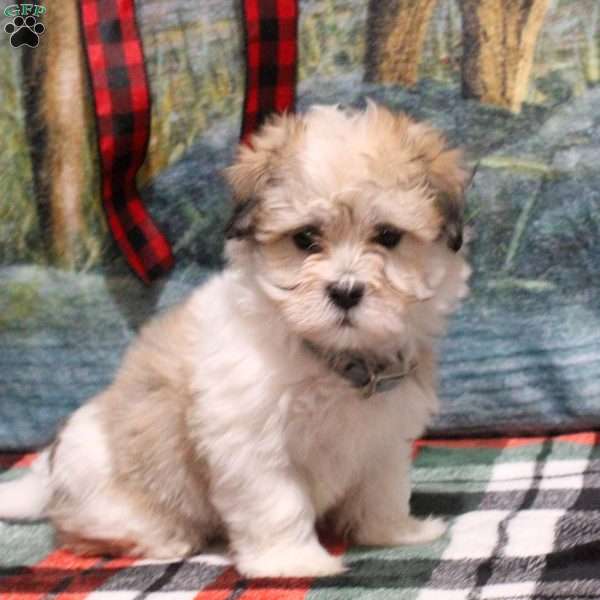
x,y
24,29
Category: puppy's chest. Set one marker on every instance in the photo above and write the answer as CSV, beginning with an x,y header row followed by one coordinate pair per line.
x,y
331,434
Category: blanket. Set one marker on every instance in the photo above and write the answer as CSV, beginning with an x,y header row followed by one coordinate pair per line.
x,y
523,516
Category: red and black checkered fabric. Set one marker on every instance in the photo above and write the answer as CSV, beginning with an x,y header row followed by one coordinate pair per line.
x,y
122,105
271,56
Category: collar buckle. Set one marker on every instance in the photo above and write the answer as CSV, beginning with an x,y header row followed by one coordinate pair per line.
x,y
370,388
364,375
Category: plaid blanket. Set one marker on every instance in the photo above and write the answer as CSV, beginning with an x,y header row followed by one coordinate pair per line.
x,y
524,524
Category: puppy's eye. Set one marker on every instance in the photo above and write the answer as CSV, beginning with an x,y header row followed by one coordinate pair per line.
x,y
307,239
387,236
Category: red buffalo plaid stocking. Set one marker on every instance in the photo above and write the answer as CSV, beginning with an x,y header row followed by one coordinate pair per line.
x,y
271,57
122,104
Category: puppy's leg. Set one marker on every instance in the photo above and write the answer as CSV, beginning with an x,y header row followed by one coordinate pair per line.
x,y
94,513
113,524
377,513
266,510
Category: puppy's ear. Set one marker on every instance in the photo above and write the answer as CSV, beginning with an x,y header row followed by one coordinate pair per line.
x,y
240,224
256,166
445,174
449,178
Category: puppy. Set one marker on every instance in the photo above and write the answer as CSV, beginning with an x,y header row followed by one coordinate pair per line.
x,y
289,387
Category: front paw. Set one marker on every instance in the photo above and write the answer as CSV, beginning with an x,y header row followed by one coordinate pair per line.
x,y
309,560
409,531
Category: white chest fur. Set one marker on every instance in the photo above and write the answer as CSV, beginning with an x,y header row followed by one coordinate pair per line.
x,y
334,435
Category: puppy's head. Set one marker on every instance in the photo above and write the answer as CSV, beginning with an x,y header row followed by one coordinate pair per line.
x,y
347,219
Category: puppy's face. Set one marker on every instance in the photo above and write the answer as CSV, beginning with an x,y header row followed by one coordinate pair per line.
x,y
347,220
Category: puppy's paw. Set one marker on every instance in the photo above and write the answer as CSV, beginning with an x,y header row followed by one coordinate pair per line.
x,y
172,550
420,531
410,531
310,560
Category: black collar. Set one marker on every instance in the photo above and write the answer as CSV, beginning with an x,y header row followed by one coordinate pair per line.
x,y
364,373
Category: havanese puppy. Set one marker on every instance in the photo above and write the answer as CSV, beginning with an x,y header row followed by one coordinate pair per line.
x,y
289,387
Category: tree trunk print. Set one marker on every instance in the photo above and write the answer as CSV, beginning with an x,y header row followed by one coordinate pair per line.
x,y
395,36
55,104
499,38
591,48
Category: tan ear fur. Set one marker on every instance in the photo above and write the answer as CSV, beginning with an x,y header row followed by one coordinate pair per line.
x,y
447,175
255,167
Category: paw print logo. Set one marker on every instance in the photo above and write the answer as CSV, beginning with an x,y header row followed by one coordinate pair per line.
x,y
24,32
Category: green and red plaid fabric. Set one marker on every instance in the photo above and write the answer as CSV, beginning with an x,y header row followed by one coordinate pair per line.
x,y
524,523
122,106
271,28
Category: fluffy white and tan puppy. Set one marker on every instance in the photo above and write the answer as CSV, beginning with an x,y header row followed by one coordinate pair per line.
x,y
289,387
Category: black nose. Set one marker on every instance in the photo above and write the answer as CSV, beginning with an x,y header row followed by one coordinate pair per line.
x,y
346,296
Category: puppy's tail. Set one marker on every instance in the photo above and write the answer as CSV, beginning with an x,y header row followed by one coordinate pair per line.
x,y
27,498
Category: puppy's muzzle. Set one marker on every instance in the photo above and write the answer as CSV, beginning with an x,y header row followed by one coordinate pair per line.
x,y
346,296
